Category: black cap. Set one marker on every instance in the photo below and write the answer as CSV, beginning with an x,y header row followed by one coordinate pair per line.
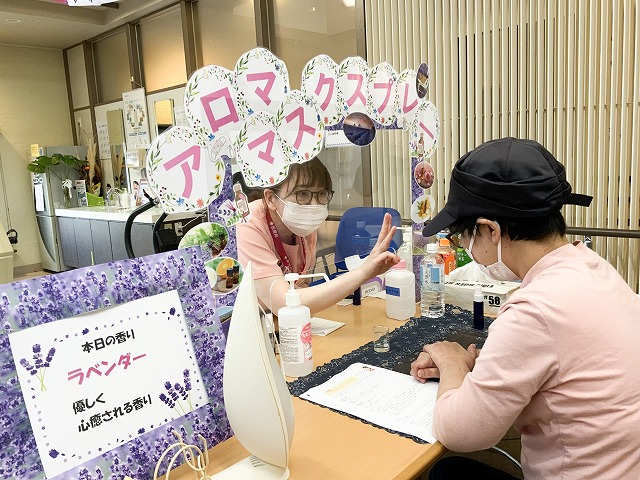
x,y
508,177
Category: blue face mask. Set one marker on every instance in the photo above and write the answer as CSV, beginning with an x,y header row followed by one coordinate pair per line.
x,y
497,271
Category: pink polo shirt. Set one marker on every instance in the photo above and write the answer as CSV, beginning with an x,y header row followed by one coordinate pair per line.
x,y
560,364
255,244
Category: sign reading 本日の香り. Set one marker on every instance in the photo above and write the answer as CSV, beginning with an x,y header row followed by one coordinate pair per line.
x,y
102,364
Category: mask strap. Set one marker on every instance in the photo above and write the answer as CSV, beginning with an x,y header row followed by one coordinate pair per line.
x,y
499,243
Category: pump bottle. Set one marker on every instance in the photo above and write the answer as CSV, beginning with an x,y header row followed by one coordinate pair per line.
x,y
294,320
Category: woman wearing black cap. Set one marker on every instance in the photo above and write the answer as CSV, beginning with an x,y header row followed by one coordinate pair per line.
x,y
560,359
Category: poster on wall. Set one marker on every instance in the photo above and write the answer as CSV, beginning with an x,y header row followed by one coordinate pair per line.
x,y
104,149
136,119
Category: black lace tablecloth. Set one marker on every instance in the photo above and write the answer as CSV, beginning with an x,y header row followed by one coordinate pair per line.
x,y
405,342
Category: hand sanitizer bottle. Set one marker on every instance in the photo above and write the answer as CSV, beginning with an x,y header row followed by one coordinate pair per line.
x,y
294,320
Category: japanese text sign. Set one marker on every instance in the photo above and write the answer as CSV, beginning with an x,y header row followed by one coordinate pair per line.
x,y
182,172
96,380
96,350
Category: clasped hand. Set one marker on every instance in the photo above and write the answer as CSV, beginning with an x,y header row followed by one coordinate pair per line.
x,y
436,358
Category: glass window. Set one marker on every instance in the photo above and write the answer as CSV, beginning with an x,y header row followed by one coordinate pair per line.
x,y
111,63
225,30
162,49
306,28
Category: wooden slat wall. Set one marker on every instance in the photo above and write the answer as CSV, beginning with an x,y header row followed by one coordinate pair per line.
x,y
563,72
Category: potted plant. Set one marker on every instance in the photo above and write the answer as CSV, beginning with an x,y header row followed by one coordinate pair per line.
x,y
42,163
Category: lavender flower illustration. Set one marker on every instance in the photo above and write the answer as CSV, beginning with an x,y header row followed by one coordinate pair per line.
x,y
177,392
39,367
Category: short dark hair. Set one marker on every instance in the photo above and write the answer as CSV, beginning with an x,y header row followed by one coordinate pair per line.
x,y
529,228
309,174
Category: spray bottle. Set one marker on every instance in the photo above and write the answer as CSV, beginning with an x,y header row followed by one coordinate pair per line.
x,y
294,321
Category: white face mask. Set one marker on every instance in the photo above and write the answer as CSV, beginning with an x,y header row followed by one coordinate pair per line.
x,y
497,271
303,220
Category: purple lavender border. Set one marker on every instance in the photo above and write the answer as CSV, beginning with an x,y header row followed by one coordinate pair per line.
x,y
47,299
231,249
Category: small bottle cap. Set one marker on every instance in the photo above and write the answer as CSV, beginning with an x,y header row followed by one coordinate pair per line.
x,y
444,242
432,248
477,294
401,265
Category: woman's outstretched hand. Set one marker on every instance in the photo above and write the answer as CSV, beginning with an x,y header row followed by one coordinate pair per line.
x,y
380,260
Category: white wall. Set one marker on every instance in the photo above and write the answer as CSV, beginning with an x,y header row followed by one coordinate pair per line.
x,y
33,109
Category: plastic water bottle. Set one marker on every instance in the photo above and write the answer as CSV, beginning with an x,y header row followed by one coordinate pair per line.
x,y
360,239
405,252
432,283
400,292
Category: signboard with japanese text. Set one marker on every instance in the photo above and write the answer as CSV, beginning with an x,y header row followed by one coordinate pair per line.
x,y
101,364
72,374
182,170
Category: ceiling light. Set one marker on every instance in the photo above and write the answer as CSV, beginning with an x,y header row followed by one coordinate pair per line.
x,y
13,20
349,3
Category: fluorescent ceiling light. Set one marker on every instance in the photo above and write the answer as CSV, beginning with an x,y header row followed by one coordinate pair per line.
x,y
349,3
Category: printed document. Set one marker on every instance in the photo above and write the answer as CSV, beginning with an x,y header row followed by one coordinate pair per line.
x,y
383,397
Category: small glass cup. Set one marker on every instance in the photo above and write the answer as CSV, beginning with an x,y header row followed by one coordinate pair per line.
x,y
381,338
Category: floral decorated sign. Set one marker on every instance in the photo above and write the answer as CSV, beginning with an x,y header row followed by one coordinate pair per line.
x,y
408,100
262,81
181,171
320,80
260,152
353,76
80,405
210,101
425,131
88,354
300,126
382,99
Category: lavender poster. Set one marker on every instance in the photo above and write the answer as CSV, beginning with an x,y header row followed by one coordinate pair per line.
x,y
99,365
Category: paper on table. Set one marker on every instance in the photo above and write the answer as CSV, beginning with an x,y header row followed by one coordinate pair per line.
x,y
383,397
322,327
39,196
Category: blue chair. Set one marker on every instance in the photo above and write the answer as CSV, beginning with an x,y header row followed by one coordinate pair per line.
x,y
373,217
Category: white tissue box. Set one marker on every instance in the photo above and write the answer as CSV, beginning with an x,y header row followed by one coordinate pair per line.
x,y
460,293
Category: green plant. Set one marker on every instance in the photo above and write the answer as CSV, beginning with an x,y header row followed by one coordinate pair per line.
x,y
43,162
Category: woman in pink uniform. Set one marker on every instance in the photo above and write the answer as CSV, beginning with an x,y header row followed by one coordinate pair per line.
x,y
560,361
281,237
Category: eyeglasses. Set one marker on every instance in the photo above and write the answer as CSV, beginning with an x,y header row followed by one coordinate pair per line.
x,y
304,197
455,239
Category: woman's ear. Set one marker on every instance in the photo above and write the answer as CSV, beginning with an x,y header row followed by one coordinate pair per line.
x,y
270,199
492,228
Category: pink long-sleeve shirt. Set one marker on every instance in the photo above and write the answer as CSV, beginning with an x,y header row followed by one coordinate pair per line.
x,y
561,364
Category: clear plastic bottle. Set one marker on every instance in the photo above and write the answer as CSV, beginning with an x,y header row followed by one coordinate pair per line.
x,y
432,283
405,252
360,239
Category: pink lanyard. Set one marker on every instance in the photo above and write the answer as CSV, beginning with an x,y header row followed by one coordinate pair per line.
x,y
284,258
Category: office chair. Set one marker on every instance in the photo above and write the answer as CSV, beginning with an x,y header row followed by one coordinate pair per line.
x,y
373,217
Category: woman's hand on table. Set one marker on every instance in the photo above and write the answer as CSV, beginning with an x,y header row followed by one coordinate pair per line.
x,y
380,259
443,355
